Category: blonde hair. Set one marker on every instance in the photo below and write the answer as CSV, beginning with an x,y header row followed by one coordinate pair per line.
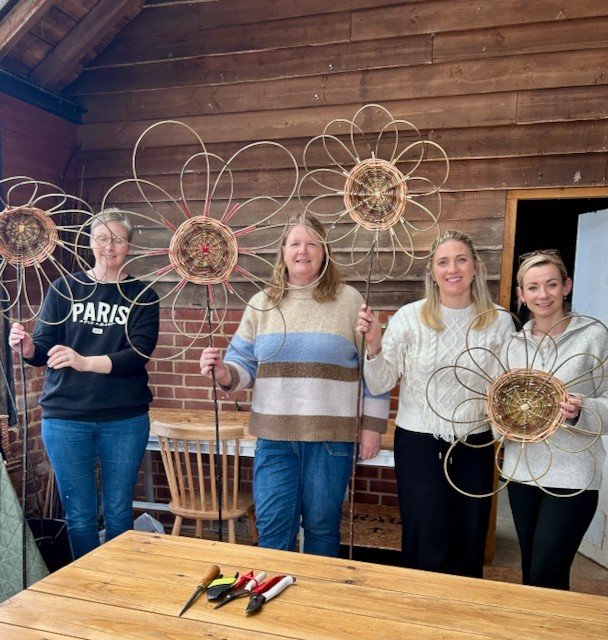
x,y
537,259
480,295
327,287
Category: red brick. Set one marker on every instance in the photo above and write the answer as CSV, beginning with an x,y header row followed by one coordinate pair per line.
x,y
187,367
389,501
167,378
387,473
383,486
367,472
367,498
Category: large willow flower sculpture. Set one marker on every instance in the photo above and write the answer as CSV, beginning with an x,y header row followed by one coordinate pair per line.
x,y
377,183
39,230
521,390
210,238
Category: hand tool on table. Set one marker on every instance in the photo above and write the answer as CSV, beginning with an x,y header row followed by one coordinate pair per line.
x,y
242,588
211,573
268,590
220,586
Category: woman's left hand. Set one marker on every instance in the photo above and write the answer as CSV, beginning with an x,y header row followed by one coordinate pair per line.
x,y
571,408
61,357
369,444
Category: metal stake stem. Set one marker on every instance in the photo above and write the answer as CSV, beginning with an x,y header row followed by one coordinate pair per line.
x,y
24,456
359,412
218,470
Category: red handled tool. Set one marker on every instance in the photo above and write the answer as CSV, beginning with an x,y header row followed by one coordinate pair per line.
x,y
268,590
242,588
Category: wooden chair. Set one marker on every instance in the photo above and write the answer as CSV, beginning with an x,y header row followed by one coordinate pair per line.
x,y
188,454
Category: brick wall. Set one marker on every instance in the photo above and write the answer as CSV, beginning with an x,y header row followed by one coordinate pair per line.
x,y
178,384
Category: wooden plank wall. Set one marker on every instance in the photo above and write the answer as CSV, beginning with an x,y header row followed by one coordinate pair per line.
x,y
516,92
43,146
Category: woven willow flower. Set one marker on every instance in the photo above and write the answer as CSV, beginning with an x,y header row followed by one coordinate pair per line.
x,y
210,239
519,392
377,183
39,230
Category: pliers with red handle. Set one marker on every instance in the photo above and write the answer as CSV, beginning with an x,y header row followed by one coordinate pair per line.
x,y
268,590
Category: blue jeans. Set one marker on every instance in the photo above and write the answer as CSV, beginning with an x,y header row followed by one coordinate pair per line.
x,y
74,448
300,483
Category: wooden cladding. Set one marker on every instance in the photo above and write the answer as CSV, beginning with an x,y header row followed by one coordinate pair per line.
x,y
516,93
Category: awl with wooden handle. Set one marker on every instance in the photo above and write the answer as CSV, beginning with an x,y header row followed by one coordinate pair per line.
x,y
212,572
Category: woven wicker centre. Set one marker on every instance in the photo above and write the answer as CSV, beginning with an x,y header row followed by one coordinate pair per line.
x,y
204,251
523,404
27,235
375,194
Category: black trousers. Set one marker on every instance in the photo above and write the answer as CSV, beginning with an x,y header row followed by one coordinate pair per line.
x,y
443,530
550,530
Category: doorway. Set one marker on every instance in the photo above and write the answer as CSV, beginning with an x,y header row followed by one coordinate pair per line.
x,y
543,219
551,219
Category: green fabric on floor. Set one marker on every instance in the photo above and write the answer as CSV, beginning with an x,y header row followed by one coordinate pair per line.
x,y
11,549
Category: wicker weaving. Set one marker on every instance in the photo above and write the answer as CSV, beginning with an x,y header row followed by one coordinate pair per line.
x,y
377,185
524,404
204,251
202,259
375,194
39,230
27,235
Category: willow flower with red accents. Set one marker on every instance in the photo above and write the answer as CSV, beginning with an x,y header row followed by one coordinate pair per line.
x,y
212,240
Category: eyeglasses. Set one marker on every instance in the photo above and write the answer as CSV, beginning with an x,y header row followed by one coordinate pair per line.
x,y
540,252
104,241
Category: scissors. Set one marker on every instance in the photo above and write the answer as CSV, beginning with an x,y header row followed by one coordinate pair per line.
x,y
242,588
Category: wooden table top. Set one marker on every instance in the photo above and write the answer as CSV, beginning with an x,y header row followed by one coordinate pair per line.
x,y
240,418
135,586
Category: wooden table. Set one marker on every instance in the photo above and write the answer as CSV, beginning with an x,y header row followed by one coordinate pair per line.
x,y
134,587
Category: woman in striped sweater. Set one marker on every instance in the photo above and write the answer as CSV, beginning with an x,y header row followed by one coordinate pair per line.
x,y
302,361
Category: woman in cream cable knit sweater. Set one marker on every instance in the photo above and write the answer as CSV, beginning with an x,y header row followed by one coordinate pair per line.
x,y
443,530
550,526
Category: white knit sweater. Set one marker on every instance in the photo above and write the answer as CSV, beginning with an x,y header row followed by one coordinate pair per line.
x,y
572,458
413,352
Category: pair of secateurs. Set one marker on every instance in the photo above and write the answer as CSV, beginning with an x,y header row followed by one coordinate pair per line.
x,y
257,589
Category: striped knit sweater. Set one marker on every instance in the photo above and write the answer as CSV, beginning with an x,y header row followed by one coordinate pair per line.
x,y
302,361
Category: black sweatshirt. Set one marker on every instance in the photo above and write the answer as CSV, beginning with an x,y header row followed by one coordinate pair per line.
x,y
97,320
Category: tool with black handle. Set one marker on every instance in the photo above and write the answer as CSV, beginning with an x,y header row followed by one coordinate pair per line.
x,y
220,586
268,590
209,576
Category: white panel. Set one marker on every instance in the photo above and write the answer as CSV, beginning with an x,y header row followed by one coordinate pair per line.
x,y
590,296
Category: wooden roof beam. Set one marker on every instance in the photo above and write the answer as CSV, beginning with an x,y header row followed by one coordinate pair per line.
x,y
19,20
59,65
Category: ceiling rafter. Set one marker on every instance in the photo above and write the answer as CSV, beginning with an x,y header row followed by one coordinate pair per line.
x,y
58,68
19,20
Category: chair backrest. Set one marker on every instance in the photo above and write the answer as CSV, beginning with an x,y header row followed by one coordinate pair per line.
x,y
189,456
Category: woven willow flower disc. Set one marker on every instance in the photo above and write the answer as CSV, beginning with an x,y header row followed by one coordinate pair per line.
x,y
203,250
375,194
27,236
524,404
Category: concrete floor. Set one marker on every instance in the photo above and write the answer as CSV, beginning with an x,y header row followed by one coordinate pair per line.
x,y
586,576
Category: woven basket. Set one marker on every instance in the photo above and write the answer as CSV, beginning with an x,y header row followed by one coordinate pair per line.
x,y
375,194
27,235
524,404
204,251
4,436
